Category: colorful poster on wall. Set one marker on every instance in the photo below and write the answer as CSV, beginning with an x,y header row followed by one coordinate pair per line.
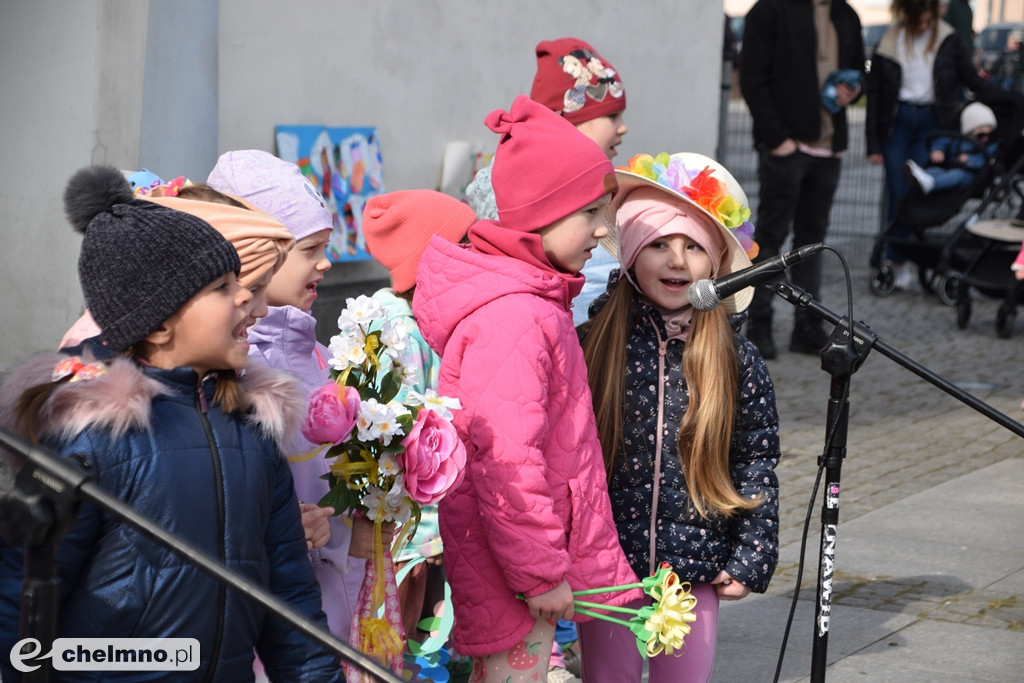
x,y
344,163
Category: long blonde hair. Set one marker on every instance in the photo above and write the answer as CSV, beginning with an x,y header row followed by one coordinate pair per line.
x,y
711,371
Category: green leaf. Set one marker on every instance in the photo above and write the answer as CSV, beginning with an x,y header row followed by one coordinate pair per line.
x,y
339,498
429,624
390,385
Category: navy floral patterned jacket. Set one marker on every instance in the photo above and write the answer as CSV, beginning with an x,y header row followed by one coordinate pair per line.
x,y
746,546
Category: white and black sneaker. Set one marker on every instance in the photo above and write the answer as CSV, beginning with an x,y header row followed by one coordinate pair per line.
x,y
918,175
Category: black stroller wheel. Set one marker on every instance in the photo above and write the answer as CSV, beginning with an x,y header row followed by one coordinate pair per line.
x,y
883,282
963,311
927,277
948,287
1005,319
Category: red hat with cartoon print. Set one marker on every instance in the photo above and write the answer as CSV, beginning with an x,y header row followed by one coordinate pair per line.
x,y
573,80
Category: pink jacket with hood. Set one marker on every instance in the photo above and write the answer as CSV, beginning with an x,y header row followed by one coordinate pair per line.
x,y
533,509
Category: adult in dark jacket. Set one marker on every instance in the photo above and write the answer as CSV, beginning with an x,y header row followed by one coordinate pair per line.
x,y
789,49
959,15
913,90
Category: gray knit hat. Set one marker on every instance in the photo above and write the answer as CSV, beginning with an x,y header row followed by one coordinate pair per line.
x,y
140,262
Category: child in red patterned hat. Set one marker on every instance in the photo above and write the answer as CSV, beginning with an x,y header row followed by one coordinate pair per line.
x,y
532,517
579,85
576,82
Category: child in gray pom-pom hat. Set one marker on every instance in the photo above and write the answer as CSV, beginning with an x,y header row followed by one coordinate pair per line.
x,y
172,427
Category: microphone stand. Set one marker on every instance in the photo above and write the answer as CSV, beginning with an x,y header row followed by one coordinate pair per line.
x,y
41,508
841,357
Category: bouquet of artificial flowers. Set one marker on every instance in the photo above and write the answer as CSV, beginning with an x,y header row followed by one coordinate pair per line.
x,y
388,456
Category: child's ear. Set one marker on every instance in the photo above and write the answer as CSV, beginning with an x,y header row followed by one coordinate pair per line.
x,y
161,335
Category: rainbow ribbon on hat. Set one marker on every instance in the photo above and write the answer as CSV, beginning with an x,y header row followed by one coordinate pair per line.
x,y
702,188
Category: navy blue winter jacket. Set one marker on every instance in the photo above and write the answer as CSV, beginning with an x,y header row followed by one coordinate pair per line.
x,y
156,440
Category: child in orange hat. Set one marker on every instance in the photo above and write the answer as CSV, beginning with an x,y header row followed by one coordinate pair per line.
x,y
397,227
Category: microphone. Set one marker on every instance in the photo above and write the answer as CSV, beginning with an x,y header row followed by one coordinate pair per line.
x,y
706,294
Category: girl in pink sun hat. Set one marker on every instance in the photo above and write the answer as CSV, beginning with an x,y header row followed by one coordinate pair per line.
x,y
691,464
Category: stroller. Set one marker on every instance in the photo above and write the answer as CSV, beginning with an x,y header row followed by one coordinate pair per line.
x,y
992,247
921,231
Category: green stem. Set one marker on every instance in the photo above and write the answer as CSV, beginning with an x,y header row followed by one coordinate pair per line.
x,y
611,589
604,617
607,608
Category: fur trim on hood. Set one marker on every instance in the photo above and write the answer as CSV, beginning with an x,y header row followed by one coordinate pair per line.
x,y
120,400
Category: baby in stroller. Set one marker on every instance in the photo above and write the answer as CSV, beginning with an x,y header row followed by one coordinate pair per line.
x,y
956,160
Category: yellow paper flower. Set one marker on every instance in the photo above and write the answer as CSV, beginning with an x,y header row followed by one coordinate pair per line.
x,y
669,622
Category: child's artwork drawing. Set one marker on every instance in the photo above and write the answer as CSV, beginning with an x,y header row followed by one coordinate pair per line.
x,y
344,163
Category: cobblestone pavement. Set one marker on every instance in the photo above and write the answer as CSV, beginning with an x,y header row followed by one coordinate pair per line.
x,y
905,435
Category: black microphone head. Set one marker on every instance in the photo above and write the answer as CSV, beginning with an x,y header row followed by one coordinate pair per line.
x,y
703,296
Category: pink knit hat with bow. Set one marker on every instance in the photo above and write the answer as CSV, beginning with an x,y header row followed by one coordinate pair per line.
x,y
543,169
398,225
275,186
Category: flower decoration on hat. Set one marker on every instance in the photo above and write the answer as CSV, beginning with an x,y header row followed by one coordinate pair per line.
x,y
703,188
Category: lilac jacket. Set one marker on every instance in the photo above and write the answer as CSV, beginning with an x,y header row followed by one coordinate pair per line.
x,y
286,340
533,509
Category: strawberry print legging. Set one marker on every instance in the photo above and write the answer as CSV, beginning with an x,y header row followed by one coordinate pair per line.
x,y
527,661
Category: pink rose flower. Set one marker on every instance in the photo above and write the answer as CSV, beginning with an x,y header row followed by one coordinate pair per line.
x,y
331,414
434,458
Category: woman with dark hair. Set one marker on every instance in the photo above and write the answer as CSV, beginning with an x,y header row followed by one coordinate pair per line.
x,y
917,74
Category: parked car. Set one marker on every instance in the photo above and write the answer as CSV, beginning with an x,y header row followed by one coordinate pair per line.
x,y
991,42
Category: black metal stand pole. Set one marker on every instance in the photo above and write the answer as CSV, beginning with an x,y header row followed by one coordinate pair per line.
x,y
841,357
39,605
47,480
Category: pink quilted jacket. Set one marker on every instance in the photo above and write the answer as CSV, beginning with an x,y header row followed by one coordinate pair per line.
x,y
533,509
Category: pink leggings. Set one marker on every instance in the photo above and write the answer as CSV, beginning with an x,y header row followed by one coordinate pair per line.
x,y
608,652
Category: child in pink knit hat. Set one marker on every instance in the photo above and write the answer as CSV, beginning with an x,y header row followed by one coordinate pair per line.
x,y
531,521
582,87
397,227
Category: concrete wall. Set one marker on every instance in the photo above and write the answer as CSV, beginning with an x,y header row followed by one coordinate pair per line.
x,y
70,78
170,86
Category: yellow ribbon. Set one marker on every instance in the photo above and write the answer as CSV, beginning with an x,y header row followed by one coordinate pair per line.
x,y
370,349
303,457
379,640
376,636
377,598
673,614
347,469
